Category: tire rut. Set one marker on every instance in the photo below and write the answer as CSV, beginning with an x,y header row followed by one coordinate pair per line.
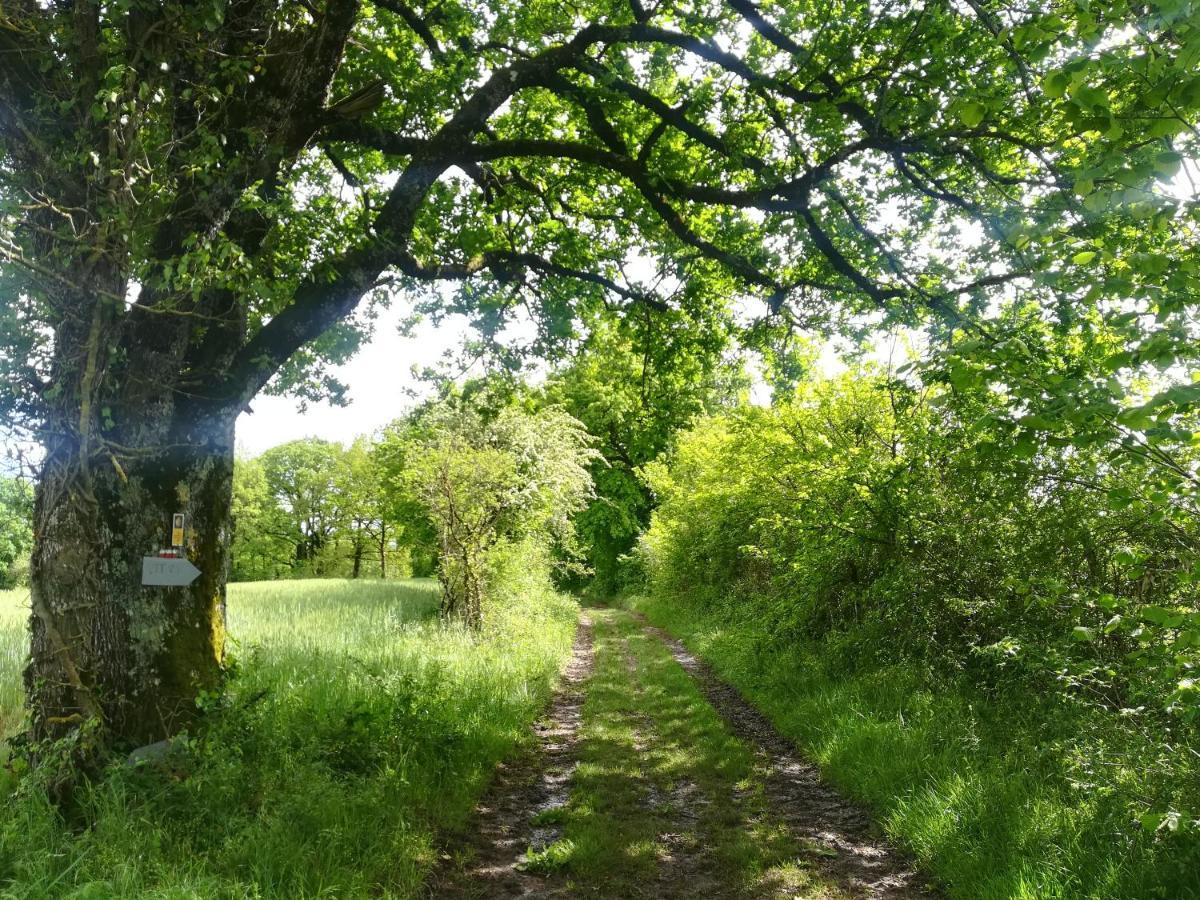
x,y
488,864
685,870
841,837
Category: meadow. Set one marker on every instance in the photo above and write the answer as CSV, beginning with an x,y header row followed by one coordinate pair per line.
x,y
278,622
357,726
14,611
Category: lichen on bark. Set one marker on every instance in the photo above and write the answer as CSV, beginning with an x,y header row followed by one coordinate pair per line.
x,y
106,648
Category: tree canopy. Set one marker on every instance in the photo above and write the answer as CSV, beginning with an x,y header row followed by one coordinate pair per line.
x,y
635,386
208,189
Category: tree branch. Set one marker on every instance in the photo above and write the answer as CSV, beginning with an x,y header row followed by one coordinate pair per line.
x,y
418,25
334,288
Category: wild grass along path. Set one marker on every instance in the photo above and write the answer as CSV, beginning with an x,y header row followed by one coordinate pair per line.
x,y
650,778
487,862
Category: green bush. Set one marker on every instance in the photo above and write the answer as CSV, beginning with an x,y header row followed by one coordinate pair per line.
x,y
16,531
923,608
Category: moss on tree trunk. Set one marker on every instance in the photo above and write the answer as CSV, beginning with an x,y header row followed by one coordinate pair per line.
x,y
105,649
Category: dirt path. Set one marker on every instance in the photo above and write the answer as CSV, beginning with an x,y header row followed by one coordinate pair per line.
x,y
651,778
853,852
505,823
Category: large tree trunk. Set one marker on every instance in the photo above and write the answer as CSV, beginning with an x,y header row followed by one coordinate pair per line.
x,y
105,648
137,394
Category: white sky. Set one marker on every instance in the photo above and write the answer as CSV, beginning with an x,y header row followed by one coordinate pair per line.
x,y
378,378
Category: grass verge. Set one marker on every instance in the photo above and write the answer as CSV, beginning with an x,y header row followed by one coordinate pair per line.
x,y
357,727
1000,798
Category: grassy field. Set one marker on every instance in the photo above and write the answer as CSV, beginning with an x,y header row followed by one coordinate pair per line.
x,y
1000,800
277,621
14,610
357,727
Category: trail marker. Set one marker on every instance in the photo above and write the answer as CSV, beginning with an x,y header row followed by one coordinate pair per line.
x,y
168,571
177,530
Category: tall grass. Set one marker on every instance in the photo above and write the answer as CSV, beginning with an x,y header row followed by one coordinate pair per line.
x,y
356,727
274,620
1001,798
355,618
14,611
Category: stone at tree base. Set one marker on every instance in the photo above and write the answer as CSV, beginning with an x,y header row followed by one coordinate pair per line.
x,y
151,753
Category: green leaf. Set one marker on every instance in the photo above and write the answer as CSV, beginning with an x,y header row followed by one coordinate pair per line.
x,y
1084,257
971,113
1055,83
1151,821
1168,163
1164,618
1038,422
1091,98
1188,639
1164,127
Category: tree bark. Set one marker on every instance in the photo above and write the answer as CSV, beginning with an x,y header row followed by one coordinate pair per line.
x,y
106,649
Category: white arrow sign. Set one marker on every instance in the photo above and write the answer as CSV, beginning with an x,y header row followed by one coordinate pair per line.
x,y
164,571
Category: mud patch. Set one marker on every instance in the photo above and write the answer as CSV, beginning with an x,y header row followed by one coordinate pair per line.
x,y
839,837
519,810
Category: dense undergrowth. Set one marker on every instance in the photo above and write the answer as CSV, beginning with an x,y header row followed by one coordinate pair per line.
x,y
992,650
1018,798
356,726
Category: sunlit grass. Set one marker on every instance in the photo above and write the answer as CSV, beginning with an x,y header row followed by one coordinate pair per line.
x,y
361,618
979,788
357,726
14,611
276,619
664,791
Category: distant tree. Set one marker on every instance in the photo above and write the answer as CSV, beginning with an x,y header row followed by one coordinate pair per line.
x,y
635,388
399,445
309,507
305,478
360,486
16,530
263,540
489,483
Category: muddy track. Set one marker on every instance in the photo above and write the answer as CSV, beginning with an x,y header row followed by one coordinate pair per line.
x,y
487,862
848,847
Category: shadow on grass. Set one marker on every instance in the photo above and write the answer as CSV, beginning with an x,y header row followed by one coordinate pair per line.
x,y
1001,797
667,803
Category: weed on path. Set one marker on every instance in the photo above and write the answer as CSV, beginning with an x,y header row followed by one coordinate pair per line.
x,y
649,778
517,822
635,789
667,802
824,822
